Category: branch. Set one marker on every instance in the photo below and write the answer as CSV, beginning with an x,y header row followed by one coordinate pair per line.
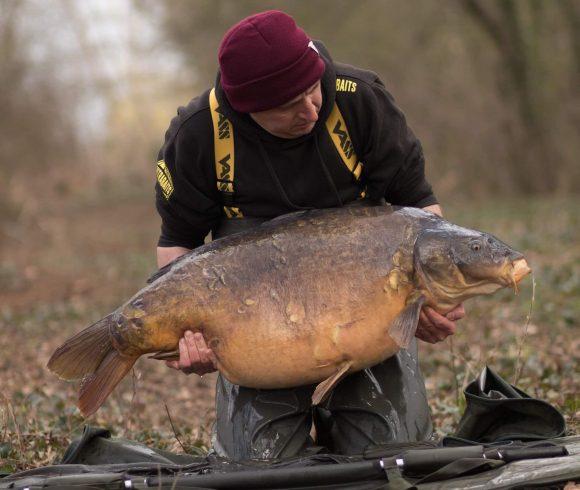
x,y
571,13
490,25
173,428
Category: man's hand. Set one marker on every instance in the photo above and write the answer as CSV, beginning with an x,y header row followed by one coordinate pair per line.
x,y
194,355
434,327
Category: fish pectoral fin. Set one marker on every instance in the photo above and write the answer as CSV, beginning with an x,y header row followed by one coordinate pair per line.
x,y
404,325
325,387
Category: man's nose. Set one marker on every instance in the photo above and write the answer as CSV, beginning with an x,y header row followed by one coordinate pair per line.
x,y
309,110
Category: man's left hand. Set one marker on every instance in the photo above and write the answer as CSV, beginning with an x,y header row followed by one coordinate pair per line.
x,y
434,327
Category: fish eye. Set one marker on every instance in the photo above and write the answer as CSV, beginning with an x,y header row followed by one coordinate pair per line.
x,y
476,247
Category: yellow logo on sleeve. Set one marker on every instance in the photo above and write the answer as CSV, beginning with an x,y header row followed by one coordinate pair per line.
x,y
343,85
164,179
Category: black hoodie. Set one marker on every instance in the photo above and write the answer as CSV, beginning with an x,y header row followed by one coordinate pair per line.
x,y
274,176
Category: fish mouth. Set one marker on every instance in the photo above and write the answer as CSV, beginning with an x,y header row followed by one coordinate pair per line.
x,y
519,270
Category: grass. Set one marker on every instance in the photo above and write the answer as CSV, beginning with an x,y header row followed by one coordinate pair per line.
x,y
75,260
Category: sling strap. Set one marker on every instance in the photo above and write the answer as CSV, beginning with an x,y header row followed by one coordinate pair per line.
x,y
338,132
224,155
223,137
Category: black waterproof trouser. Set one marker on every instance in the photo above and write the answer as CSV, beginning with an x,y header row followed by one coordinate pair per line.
x,y
385,403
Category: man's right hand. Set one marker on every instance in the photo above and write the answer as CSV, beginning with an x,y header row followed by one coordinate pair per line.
x,y
194,355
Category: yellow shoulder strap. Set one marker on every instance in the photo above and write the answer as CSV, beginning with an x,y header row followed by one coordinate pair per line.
x,y
223,139
336,127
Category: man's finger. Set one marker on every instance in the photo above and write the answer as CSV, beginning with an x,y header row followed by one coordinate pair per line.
x,y
426,336
424,323
456,313
440,322
425,329
423,337
172,364
432,336
423,320
202,349
194,350
185,360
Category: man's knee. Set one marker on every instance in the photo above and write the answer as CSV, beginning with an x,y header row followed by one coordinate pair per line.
x,y
261,423
383,404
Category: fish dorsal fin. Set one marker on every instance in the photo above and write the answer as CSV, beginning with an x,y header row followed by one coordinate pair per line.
x,y
161,272
288,216
166,268
325,387
404,326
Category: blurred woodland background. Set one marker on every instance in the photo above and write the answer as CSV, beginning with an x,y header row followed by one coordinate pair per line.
x,y
87,89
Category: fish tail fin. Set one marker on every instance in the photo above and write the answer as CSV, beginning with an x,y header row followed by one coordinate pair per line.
x,y
96,387
82,354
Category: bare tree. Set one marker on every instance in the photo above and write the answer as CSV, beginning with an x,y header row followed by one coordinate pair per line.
x,y
35,127
520,32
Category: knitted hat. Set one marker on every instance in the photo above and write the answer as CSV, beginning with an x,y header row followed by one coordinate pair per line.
x,y
266,60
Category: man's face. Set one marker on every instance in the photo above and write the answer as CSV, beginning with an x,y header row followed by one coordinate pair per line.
x,y
295,118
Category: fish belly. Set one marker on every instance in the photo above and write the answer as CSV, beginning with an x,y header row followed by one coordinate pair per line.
x,y
274,351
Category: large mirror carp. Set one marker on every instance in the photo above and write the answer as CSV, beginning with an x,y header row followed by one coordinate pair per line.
x,y
301,299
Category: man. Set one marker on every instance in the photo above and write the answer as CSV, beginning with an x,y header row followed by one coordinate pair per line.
x,y
288,129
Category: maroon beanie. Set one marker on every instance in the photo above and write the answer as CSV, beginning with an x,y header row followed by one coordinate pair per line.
x,y
266,60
